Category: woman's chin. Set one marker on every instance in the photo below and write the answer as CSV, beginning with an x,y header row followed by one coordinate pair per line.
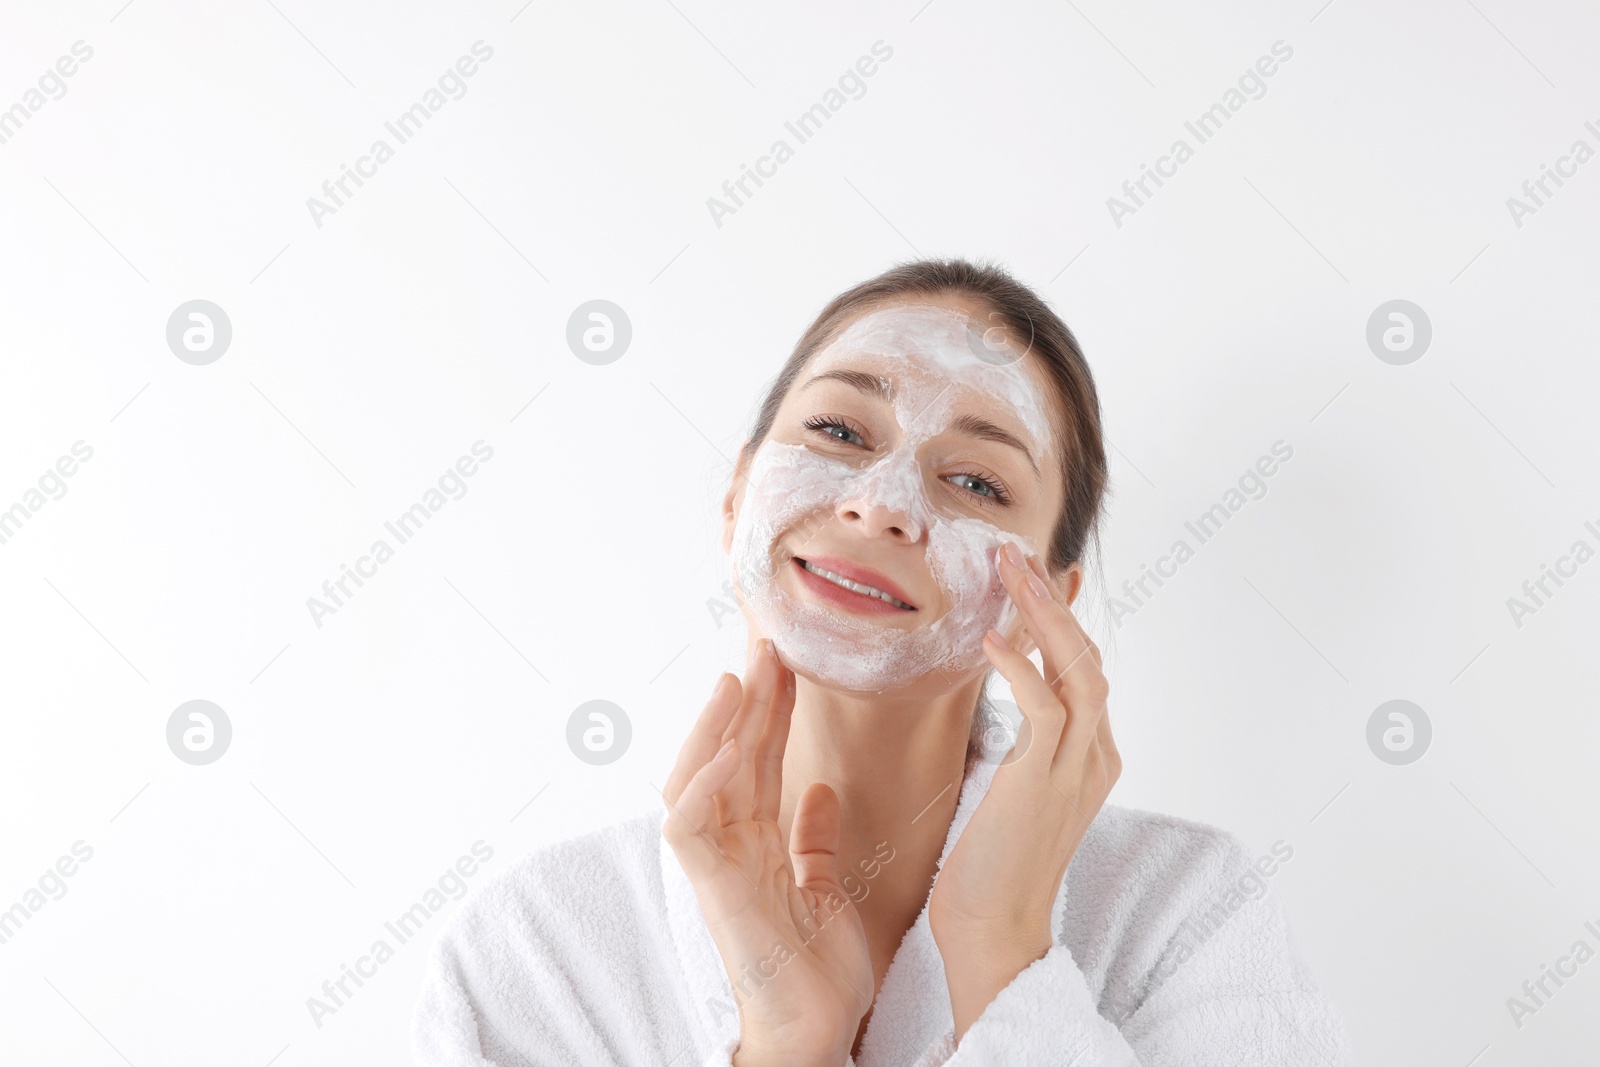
x,y
863,684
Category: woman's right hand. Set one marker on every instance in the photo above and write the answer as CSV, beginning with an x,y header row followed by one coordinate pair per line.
x,y
790,937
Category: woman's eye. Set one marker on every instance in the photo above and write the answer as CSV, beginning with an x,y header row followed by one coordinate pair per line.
x,y
827,426
982,487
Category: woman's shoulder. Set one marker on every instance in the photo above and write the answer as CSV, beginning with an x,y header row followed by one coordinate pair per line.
x,y
1164,913
1156,839
558,956
596,888
1139,869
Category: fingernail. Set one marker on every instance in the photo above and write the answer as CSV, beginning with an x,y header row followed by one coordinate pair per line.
x,y
1012,553
994,635
1039,588
727,747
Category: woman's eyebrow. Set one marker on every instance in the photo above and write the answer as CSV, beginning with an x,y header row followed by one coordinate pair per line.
x,y
980,427
858,379
969,424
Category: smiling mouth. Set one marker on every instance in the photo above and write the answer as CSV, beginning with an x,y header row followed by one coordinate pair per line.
x,y
854,587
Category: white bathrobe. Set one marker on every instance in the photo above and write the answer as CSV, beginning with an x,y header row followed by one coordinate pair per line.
x,y
593,952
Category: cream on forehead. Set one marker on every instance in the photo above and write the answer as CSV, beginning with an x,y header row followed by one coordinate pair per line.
x,y
935,348
794,493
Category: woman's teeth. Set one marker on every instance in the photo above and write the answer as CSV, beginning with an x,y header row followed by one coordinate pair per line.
x,y
854,586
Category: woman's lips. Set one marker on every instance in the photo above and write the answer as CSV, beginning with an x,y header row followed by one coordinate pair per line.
x,y
849,599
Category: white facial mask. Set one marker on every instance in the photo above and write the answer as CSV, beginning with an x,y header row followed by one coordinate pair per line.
x,y
930,354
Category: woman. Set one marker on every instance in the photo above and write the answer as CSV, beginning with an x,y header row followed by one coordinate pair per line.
x,y
851,866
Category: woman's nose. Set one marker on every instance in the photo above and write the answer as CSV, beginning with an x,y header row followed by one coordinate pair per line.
x,y
876,519
886,499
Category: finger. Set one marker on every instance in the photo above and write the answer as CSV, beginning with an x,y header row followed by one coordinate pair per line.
x,y
1087,696
1047,716
1104,748
1039,702
1043,616
1089,780
1094,686
814,838
693,815
1087,748
1059,594
1070,666
749,722
1109,743
814,859
705,737
769,756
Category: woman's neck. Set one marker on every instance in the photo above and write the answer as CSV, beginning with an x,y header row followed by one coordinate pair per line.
x,y
896,765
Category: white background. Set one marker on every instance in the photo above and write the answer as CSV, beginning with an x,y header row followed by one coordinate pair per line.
x,y
430,312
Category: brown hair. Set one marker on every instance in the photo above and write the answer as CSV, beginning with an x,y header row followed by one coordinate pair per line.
x,y
1025,317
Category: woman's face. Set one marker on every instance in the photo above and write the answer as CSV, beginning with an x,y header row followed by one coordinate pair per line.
x,y
907,451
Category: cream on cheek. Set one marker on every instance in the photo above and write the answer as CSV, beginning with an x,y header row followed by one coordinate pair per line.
x,y
932,355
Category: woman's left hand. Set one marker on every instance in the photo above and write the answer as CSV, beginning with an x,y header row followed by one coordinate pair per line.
x,y
990,910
